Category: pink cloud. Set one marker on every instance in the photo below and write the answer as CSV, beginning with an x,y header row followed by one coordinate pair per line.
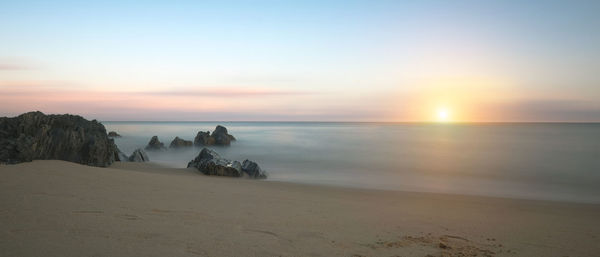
x,y
226,92
23,96
61,87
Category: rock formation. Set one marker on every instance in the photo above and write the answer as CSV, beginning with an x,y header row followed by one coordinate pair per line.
x,y
210,162
253,170
155,144
178,142
139,156
36,136
113,134
218,137
221,136
203,138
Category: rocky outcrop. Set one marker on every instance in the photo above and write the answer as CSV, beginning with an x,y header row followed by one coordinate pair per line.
x,y
113,134
204,138
253,170
210,162
36,136
221,136
155,144
138,155
218,137
178,143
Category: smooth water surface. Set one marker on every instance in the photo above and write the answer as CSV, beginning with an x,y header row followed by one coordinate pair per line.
x,y
552,161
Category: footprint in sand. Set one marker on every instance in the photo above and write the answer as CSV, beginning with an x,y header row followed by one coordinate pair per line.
x,y
447,245
127,216
266,232
162,211
87,212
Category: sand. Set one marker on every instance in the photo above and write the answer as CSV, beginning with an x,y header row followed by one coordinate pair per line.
x,y
56,208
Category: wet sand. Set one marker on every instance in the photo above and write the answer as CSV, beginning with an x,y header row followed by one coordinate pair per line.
x,y
56,208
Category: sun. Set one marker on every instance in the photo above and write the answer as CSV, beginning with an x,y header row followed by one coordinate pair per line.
x,y
442,114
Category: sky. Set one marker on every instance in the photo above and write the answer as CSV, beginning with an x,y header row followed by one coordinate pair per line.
x,y
392,61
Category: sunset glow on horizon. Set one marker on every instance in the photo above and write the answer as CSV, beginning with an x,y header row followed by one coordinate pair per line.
x,y
443,115
386,61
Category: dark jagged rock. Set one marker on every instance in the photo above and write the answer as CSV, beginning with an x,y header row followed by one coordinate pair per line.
x,y
221,136
36,136
218,137
210,163
253,170
178,142
139,155
113,134
155,144
204,138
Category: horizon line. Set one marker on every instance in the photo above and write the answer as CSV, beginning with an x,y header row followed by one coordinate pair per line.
x,y
390,122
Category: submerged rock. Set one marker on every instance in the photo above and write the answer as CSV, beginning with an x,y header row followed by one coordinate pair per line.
x,y
221,136
113,134
253,170
178,142
210,162
155,144
204,138
36,136
218,137
139,155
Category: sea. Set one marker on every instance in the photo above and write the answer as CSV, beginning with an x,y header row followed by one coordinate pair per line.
x,y
542,161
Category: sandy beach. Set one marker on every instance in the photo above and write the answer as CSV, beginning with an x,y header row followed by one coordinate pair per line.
x,y
57,208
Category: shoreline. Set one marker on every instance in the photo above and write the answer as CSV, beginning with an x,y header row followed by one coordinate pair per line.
x,y
160,166
366,188
64,209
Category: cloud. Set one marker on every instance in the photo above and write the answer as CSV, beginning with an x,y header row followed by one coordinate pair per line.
x,y
174,104
261,103
225,92
64,88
